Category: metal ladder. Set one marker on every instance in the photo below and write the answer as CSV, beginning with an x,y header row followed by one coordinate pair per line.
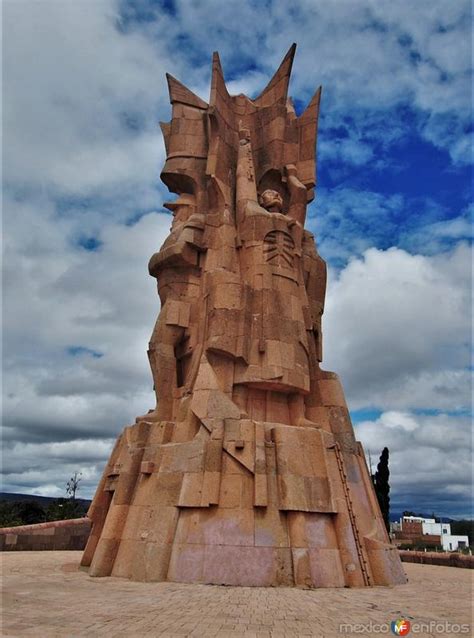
x,y
355,529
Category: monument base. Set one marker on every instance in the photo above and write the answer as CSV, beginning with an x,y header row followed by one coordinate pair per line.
x,y
242,502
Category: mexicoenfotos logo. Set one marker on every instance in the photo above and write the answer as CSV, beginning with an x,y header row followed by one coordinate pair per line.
x,y
403,627
400,627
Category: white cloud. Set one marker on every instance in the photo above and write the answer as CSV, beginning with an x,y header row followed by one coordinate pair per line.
x,y
446,130
457,228
437,237
71,80
49,465
349,151
430,459
347,221
60,296
403,420
397,329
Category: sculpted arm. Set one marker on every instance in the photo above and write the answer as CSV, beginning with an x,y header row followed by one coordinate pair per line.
x,y
246,187
298,195
182,246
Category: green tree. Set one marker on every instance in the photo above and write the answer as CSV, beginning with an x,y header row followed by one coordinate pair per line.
x,y
8,515
464,528
14,513
382,486
64,508
30,512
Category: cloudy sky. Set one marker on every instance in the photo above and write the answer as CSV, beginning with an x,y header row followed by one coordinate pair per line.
x,y
84,89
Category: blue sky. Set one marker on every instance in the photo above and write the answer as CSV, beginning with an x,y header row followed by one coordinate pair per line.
x,y
84,91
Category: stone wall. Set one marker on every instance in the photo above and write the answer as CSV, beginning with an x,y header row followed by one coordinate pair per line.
x,y
411,529
425,539
437,558
54,535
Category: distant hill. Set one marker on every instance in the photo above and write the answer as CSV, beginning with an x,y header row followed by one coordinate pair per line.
x,y
396,516
35,498
29,509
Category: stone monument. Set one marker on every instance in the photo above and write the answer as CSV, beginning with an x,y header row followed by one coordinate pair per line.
x,y
247,472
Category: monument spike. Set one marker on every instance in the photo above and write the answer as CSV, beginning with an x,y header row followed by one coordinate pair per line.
x,y
277,88
166,130
311,112
218,86
307,125
180,93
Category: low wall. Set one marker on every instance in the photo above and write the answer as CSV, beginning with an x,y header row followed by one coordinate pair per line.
x,y
438,558
69,534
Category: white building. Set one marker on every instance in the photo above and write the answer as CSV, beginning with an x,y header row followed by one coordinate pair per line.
x,y
429,526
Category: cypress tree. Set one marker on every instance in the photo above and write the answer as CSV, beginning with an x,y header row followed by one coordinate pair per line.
x,y
382,486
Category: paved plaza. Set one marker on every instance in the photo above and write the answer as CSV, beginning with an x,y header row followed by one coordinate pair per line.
x,y
45,595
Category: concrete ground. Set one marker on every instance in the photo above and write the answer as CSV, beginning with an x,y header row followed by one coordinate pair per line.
x,y
45,595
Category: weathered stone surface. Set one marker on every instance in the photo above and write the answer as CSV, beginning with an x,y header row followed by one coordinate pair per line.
x,y
247,471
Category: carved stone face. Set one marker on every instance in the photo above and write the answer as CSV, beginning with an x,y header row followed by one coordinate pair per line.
x,y
271,201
